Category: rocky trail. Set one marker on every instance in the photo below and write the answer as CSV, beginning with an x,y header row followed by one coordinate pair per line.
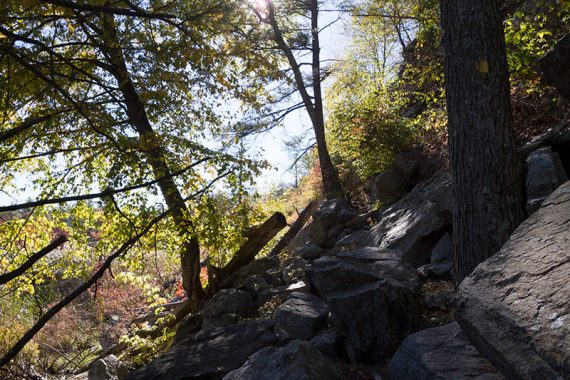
x,y
369,295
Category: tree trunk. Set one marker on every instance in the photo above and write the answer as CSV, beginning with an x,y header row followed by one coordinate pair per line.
x,y
331,182
155,154
255,242
487,188
295,228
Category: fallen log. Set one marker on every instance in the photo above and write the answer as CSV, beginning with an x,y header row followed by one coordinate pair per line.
x,y
295,228
256,239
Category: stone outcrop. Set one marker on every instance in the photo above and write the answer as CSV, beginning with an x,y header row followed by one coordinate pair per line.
x,y
441,265
372,294
544,174
416,222
108,368
226,307
515,306
302,315
297,360
210,354
442,353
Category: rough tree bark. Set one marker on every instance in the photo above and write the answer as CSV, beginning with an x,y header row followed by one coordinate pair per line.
x,y
487,188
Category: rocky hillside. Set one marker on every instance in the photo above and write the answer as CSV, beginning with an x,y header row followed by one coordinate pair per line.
x,y
368,295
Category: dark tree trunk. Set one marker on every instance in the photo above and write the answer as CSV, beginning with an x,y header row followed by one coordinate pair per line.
x,y
487,188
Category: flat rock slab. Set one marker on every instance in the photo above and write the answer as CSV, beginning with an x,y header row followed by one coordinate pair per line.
x,y
415,223
373,297
442,353
210,354
515,306
296,361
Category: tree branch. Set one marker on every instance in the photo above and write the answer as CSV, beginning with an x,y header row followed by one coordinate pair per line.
x,y
105,193
7,277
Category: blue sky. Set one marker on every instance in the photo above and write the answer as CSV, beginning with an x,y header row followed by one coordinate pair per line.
x,y
270,145
334,41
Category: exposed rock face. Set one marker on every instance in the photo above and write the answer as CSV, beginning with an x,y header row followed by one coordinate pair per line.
x,y
441,265
226,307
545,173
372,294
302,315
297,360
415,223
309,251
108,368
442,353
555,66
256,267
390,185
210,354
515,306
330,216
325,342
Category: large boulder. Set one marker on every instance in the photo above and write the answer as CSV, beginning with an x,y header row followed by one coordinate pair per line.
x,y
108,368
373,297
544,174
441,265
442,353
555,66
330,216
390,185
416,222
515,306
297,360
302,315
226,307
210,354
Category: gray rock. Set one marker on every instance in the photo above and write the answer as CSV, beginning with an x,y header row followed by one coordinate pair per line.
x,y
416,222
309,251
372,294
255,284
297,360
257,266
390,185
325,342
437,271
440,353
357,239
226,301
515,306
555,66
334,212
108,368
439,301
544,174
443,250
281,293
302,315
361,221
294,271
210,354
